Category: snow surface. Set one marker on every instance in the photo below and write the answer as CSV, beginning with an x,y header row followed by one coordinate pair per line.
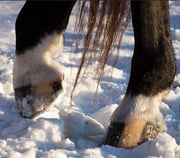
x,y
86,119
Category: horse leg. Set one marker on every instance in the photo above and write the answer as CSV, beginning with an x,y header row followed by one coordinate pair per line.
x,y
37,79
138,117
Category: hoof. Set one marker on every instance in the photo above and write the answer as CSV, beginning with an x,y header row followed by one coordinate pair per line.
x,y
136,119
32,100
131,134
37,78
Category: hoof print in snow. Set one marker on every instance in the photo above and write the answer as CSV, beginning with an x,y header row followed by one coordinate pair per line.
x,y
131,134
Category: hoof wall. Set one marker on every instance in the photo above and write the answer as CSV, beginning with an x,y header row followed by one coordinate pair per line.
x,y
131,134
34,100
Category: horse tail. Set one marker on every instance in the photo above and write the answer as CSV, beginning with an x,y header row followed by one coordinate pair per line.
x,y
107,21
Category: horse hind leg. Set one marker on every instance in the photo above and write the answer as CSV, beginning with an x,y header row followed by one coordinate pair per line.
x,y
37,79
138,117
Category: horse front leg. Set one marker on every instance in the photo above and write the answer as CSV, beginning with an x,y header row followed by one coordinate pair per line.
x,y
37,78
138,117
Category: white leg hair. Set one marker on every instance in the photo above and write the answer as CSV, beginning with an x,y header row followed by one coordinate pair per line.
x,y
36,64
140,108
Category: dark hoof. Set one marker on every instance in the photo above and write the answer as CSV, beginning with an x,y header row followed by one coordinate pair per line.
x,y
114,134
33,100
131,134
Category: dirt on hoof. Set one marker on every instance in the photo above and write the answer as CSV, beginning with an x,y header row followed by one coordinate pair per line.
x,y
131,134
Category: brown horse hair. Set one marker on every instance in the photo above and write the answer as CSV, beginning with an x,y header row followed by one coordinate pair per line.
x,y
107,21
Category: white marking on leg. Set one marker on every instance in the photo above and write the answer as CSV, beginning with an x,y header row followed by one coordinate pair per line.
x,y
36,64
140,108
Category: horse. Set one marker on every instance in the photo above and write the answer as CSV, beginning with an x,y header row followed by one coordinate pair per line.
x,y
37,79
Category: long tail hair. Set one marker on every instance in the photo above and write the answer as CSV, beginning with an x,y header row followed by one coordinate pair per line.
x,y
107,21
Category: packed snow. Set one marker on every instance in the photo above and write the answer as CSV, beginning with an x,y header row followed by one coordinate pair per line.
x,y
77,130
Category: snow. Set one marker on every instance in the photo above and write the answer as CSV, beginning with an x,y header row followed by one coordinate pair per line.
x,y
87,117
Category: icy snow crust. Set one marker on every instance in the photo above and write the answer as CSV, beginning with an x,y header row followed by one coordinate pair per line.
x,y
77,131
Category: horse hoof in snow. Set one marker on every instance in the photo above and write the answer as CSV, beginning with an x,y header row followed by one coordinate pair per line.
x,y
37,78
139,121
131,135
32,100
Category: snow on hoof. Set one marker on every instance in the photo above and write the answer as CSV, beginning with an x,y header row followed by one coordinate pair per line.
x,y
131,135
33,100
136,120
37,78
78,125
